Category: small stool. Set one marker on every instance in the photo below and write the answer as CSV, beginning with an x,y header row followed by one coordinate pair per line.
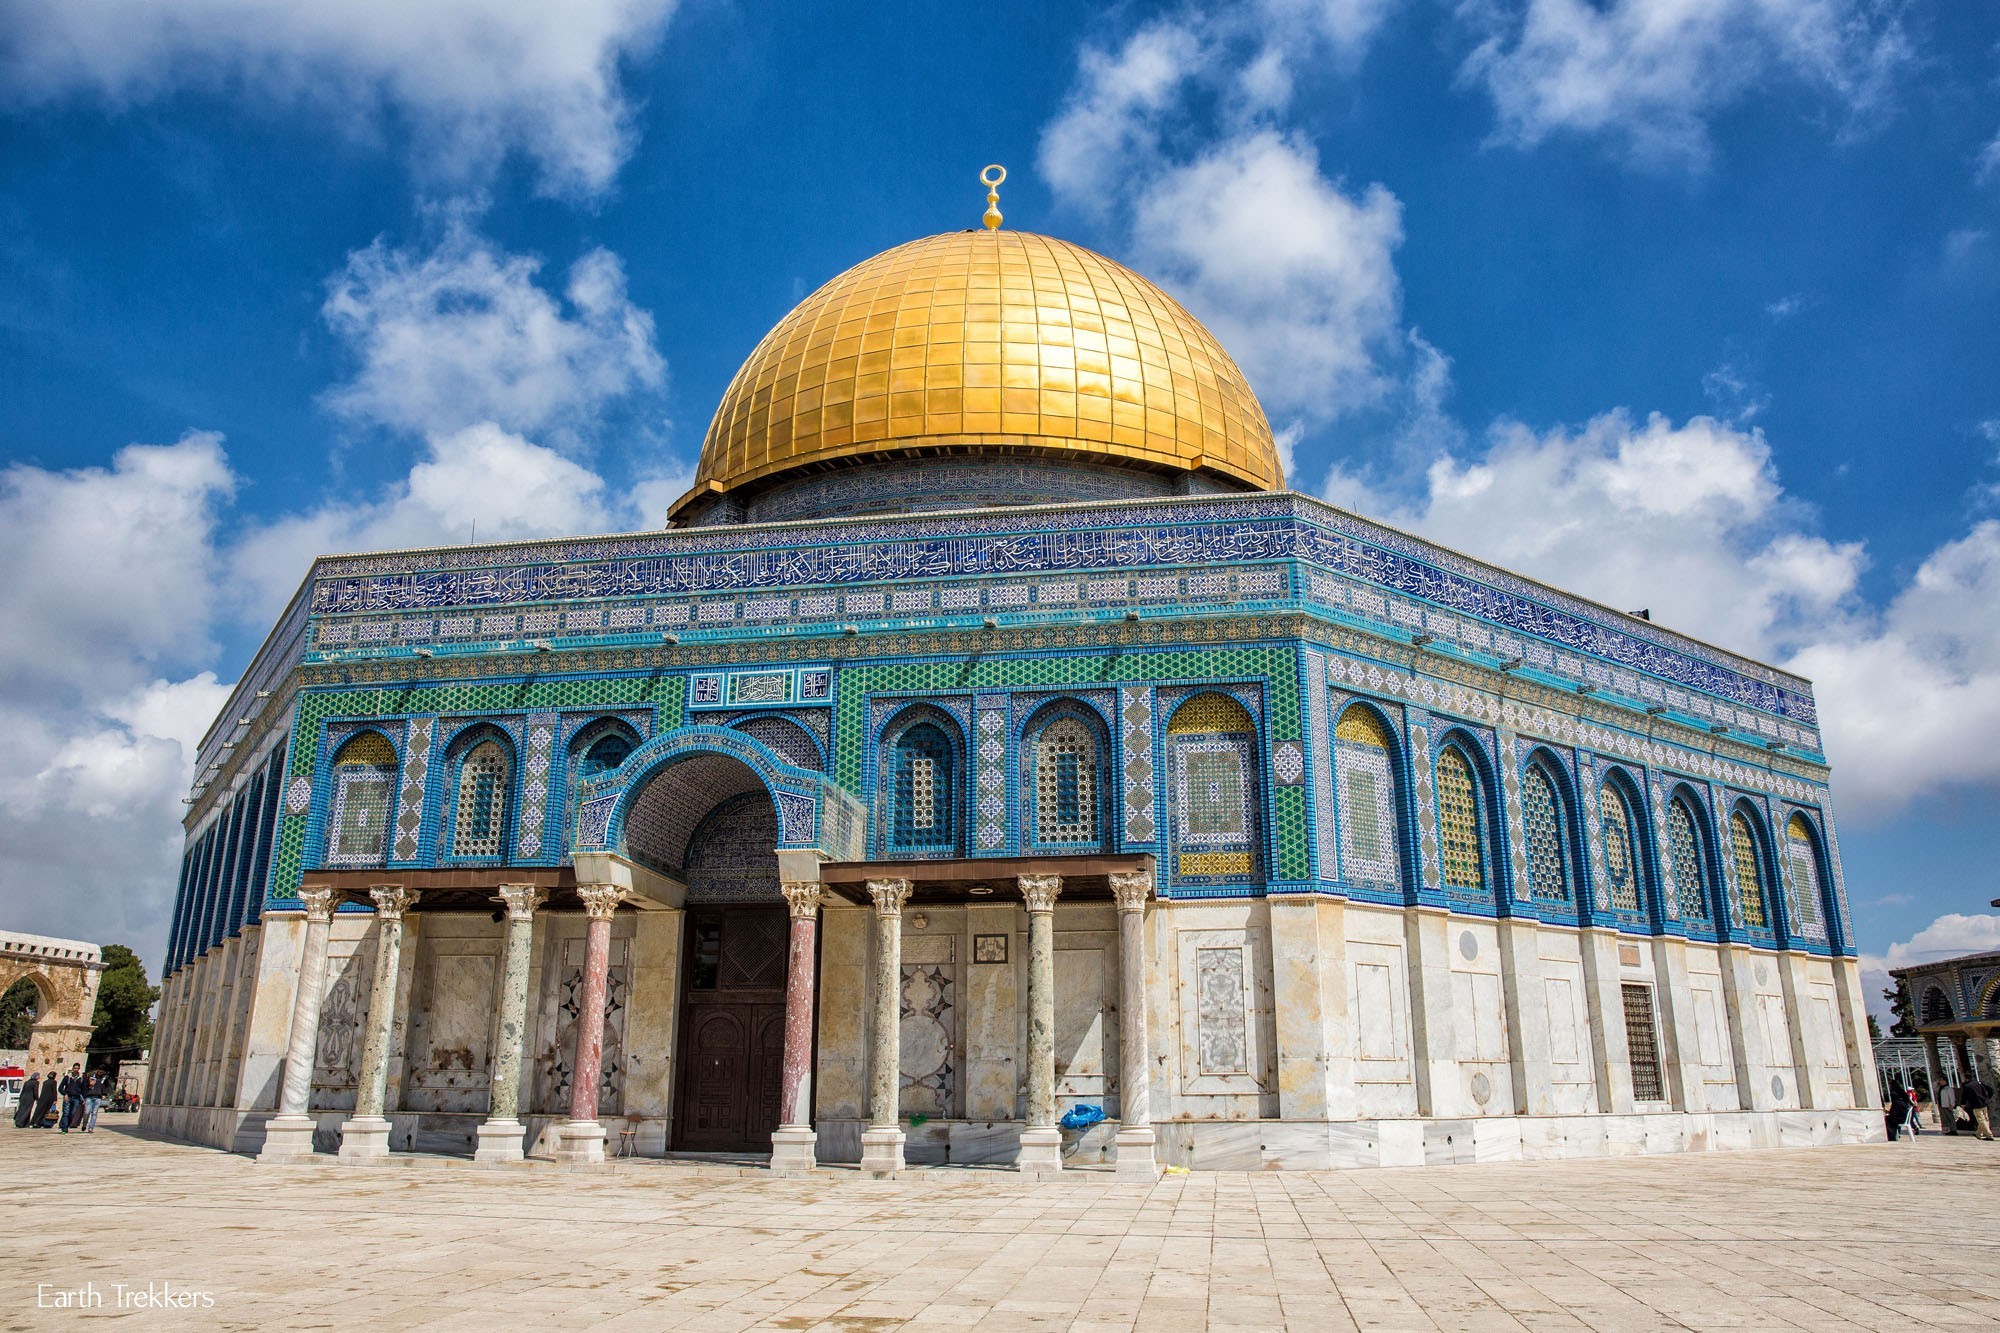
x,y
628,1143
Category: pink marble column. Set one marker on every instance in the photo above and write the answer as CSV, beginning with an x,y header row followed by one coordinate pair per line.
x,y
582,1138
794,1142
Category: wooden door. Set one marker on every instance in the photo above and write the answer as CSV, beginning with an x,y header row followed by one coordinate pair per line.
x,y
733,1029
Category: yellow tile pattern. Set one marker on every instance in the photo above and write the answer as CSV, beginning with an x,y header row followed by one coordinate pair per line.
x,y
1001,339
1206,713
368,750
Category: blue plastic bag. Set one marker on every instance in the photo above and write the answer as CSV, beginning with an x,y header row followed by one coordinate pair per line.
x,y
1080,1117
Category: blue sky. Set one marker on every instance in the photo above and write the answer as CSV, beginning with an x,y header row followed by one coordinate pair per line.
x,y
1686,304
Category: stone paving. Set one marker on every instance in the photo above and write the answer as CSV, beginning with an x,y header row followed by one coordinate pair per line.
x,y
1879,1236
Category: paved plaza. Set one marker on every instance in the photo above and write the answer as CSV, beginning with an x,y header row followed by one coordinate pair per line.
x,y
1883,1236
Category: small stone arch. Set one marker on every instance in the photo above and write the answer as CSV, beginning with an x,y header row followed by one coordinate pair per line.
x,y
1935,1008
65,975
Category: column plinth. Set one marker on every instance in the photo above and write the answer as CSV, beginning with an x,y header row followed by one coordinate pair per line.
x,y
581,1141
794,1144
502,1135
288,1135
364,1136
1137,1159
882,1142
1041,1141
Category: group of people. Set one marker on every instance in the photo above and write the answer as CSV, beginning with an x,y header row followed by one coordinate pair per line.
x,y
1906,1110
82,1095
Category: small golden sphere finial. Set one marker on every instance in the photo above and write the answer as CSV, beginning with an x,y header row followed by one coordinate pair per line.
x,y
992,178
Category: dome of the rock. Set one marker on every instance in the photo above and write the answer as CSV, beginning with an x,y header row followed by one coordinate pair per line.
x,y
988,345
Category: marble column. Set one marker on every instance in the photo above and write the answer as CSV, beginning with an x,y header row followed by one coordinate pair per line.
x,y
1933,1066
500,1138
289,1134
882,1141
1041,1141
364,1136
582,1139
1989,1047
793,1143
1136,1159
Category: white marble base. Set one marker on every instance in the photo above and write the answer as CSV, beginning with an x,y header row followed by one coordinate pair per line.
x,y
1136,1158
1041,1151
881,1152
579,1143
287,1138
500,1142
364,1140
793,1151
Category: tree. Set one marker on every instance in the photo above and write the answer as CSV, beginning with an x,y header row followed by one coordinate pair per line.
x,y
1899,1007
1874,1031
124,1017
18,1010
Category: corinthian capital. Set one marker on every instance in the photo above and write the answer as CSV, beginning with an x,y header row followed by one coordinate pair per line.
x,y
392,900
1131,888
320,900
802,896
1039,891
889,894
521,900
600,901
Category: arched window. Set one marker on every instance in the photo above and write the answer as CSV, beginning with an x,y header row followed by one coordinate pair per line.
x,y
604,754
1684,849
1936,1008
922,793
1215,822
1544,829
1802,850
1459,845
364,793
1371,848
480,828
1749,872
1621,848
1064,782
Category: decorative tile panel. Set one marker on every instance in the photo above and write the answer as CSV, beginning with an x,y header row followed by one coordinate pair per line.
x,y
1135,717
536,770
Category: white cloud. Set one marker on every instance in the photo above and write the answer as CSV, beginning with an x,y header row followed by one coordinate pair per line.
x,y
1691,522
107,589
1651,74
462,334
1293,271
473,79
1952,935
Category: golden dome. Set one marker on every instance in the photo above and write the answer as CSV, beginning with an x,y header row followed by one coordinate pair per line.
x,y
986,341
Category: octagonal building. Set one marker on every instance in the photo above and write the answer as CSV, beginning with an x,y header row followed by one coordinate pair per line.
x,y
992,762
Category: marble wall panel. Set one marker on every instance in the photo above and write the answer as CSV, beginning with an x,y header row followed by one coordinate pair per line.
x,y
1228,1025
454,1003
350,972
559,1009
842,1091
1086,1037
993,1016
652,1018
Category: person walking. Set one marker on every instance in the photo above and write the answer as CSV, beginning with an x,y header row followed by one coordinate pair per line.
x,y
1916,1112
24,1109
73,1088
45,1104
93,1098
1947,1108
1977,1097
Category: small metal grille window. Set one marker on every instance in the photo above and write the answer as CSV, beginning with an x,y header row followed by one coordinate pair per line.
x,y
1804,856
1621,858
1749,872
482,802
1542,829
1066,783
1684,846
922,796
1644,1043
1458,822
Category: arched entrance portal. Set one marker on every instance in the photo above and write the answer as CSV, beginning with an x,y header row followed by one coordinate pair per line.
x,y
709,822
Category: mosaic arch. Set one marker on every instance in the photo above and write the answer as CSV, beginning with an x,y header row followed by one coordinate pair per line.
x,y
612,808
1213,741
364,798
1064,753
1687,856
1935,1007
1805,896
1547,832
480,773
1464,819
1750,886
1368,797
920,784
1621,827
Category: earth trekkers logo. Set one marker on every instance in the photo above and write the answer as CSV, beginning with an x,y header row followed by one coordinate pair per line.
x,y
121,1296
